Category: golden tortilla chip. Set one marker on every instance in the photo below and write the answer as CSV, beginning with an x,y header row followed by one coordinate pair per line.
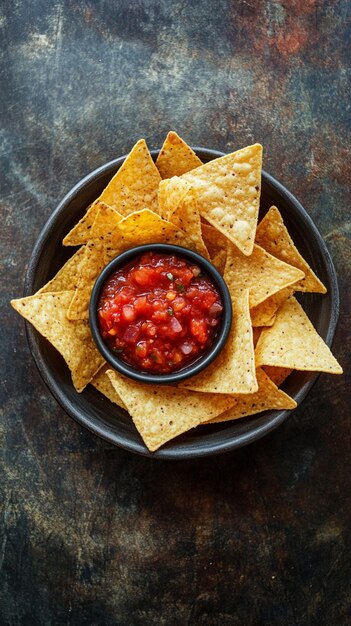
x,y
105,222
161,412
81,232
261,273
170,194
229,194
143,227
47,313
277,374
233,371
267,398
105,230
216,245
176,157
68,276
186,218
273,236
264,314
133,187
294,343
102,383
91,266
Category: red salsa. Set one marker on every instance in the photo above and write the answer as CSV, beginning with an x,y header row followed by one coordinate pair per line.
x,y
159,313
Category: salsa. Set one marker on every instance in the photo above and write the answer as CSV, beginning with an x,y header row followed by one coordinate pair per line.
x,y
159,313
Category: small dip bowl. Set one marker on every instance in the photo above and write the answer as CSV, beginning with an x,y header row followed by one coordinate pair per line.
x,y
200,361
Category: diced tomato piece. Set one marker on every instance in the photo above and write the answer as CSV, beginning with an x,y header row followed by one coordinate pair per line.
x,y
198,329
128,313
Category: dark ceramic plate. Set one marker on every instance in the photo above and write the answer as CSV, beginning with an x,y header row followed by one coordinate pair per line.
x,y
103,418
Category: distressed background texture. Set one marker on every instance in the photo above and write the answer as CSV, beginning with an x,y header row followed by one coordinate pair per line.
x,y
91,535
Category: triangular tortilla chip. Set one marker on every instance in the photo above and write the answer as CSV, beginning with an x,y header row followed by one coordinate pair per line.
x,y
176,157
105,222
229,194
91,266
68,276
264,314
105,229
277,374
273,236
267,398
81,232
217,245
261,273
294,343
170,194
47,313
186,218
133,187
143,227
102,383
161,412
233,371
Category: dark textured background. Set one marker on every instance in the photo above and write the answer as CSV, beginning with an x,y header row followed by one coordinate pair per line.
x,y
91,535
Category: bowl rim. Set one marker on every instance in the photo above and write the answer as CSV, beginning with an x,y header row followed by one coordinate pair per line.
x,y
192,368
274,418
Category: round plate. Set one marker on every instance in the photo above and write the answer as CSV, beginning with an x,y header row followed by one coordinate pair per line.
x,y
99,415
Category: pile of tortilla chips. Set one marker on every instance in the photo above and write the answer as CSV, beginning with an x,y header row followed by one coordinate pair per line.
x,y
213,210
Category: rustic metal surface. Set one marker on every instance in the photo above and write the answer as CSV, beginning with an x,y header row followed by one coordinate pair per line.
x,y
91,535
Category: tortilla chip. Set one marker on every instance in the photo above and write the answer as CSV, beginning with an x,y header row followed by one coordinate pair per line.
x,y
105,222
233,371
264,314
161,412
102,383
143,227
176,157
229,194
68,276
277,374
133,187
47,313
186,217
219,260
267,398
255,335
216,245
273,236
261,273
170,194
81,232
294,343
213,239
105,229
91,266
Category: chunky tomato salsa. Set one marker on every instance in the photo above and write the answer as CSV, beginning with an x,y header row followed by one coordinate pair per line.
x,y
159,313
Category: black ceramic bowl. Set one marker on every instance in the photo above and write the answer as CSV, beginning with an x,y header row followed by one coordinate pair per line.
x,y
107,420
200,363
